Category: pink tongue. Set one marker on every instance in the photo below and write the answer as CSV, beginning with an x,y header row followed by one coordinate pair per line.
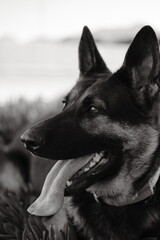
x,y
51,198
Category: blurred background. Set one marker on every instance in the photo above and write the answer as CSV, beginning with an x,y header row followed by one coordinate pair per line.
x,y
39,41
39,51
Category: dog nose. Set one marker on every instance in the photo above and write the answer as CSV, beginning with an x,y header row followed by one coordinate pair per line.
x,y
32,140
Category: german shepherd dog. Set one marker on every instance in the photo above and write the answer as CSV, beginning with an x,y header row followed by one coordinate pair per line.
x,y
107,142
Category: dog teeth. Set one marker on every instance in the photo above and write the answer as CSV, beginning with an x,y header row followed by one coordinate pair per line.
x,y
69,183
92,164
86,169
97,158
105,160
101,153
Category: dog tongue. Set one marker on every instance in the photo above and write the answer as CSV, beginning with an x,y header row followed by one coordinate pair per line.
x,y
51,198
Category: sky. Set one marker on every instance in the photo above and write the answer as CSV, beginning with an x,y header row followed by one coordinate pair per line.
x,y
25,20
28,20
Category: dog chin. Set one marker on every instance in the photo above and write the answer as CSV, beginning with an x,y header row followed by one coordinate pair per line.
x,y
97,169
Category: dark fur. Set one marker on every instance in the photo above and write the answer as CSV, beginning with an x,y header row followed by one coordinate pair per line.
x,y
125,122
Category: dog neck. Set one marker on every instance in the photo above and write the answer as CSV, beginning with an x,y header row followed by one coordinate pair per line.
x,y
143,196
145,186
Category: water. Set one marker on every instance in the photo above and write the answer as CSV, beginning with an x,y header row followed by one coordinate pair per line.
x,y
45,70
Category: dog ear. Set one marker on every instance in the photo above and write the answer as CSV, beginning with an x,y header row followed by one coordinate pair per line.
x,y
90,60
142,62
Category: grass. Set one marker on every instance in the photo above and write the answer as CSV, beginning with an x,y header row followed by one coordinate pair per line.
x,y
15,222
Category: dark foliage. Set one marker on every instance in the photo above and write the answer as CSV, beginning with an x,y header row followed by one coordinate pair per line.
x,y
17,224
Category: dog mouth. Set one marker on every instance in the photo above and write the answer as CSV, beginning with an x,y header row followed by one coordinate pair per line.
x,y
85,175
67,177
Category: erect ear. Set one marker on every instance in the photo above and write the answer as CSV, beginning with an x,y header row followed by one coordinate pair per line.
x,y
142,62
90,60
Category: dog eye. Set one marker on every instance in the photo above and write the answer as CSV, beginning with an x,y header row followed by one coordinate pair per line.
x,y
93,109
64,103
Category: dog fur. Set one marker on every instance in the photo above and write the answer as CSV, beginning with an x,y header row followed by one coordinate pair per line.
x,y
119,113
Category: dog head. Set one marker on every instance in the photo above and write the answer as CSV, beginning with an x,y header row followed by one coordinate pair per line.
x,y
108,127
